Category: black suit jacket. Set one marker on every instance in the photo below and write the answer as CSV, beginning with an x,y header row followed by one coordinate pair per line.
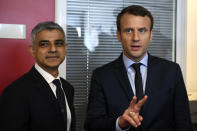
x,y
166,108
29,104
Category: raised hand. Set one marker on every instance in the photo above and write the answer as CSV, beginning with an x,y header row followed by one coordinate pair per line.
x,y
131,115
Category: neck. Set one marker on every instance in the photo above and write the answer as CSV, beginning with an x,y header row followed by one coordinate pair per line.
x,y
54,73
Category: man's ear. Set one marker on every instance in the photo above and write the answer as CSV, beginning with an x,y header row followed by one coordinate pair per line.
x,y
32,51
66,46
151,35
118,36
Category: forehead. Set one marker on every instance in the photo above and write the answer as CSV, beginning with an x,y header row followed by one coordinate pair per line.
x,y
50,34
133,21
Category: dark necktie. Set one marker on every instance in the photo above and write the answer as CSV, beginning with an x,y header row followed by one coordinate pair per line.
x,y
138,81
61,100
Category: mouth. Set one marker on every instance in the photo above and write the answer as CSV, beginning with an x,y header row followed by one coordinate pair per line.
x,y
135,47
52,57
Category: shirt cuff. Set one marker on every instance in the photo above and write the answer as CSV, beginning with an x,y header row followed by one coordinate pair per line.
x,y
118,128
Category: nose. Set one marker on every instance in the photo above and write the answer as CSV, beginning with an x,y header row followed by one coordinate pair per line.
x,y
52,47
135,36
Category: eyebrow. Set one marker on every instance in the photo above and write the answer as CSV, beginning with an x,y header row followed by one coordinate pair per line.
x,y
43,41
48,40
143,28
59,40
129,28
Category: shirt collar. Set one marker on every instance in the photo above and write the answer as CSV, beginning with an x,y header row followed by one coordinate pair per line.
x,y
128,62
47,76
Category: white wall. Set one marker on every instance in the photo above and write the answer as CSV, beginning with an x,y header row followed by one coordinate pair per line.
x,y
191,57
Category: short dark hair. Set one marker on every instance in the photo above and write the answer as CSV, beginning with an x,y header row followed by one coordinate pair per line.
x,y
47,25
134,10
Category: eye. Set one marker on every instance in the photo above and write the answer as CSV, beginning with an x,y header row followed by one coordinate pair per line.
x,y
128,30
142,30
43,44
59,43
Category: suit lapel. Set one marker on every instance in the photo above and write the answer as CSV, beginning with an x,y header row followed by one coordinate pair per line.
x,y
67,92
121,74
150,77
152,74
68,89
43,87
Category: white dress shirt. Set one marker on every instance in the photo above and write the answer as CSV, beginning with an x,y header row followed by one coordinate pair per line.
x,y
131,75
131,72
49,78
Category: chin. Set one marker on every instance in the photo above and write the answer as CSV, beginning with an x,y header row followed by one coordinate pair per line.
x,y
53,65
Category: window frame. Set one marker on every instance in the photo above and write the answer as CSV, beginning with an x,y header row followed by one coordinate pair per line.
x,y
60,18
181,34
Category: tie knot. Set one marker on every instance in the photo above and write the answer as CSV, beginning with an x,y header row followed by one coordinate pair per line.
x,y
57,83
136,66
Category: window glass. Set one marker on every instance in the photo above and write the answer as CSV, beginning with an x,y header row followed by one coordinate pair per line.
x,y
91,37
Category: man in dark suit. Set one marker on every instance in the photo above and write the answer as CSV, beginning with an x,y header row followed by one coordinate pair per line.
x,y
40,100
137,91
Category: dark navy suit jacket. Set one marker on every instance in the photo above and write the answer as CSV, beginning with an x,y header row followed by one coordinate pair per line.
x,y
166,108
29,104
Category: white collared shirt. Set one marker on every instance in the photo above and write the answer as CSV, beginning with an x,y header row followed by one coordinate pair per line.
x,y
131,75
49,78
131,72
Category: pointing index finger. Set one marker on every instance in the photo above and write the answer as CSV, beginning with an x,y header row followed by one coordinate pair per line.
x,y
141,102
133,102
